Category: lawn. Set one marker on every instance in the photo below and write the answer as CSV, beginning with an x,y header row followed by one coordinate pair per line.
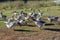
x,y
30,32
48,11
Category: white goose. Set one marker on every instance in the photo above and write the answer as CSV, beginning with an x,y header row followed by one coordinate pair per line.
x,y
39,22
40,13
10,23
20,20
53,18
15,14
31,15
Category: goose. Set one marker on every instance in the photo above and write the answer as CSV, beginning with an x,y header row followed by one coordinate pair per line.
x,y
23,14
39,22
20,20
3,17
40,13
52,18
15,14
29,16
10,23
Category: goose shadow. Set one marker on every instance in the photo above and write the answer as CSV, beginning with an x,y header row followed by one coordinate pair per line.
x,y
30,25
49,24
20,30
52,29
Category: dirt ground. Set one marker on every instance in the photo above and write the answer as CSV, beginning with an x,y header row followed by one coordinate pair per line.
x,y
46,34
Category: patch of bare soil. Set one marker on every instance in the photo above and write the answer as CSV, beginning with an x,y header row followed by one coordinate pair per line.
x,y
9,34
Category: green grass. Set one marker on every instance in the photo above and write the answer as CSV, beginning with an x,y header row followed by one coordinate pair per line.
x,y
8,7
52,11
28,31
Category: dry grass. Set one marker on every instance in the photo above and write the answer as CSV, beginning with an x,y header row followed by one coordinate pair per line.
x,y
7,34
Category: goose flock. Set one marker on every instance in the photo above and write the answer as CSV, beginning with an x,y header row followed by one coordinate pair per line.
x,y
22,18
